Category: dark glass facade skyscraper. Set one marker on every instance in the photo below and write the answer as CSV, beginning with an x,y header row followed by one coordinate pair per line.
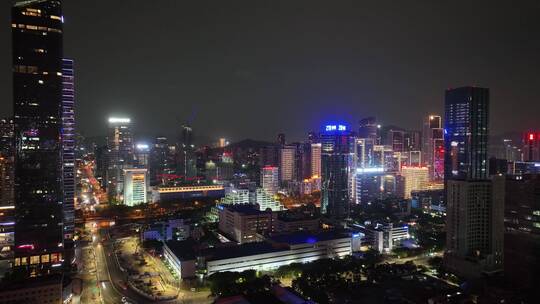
x,y
68,154
466,133
336,144
475,204
37,100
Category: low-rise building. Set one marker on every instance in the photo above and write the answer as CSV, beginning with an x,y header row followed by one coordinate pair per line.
x,y
168,194
181,257
430,201
288,222
48,289
276,251
245,222
175,229
383,238
267,201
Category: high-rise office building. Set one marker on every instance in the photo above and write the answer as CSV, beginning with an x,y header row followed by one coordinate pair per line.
x,y
160,161
187,161
368,128
433,147
475,226
68,155
412,141
142,155
303,161
466,133
120,154
287,163
270,179
135,187
316,150
416,179
475,205
395,138
336,144
313,138
7,205
281,139
270,156
37,104
531,146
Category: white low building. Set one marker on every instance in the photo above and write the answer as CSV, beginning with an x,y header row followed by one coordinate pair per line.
x,y
278,251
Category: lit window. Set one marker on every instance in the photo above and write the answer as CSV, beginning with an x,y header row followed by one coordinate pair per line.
x,y
34,259
45,258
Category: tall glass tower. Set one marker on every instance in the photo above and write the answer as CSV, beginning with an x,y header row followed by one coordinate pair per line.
x,y
466,133
68,155
475,204
336,144
37,101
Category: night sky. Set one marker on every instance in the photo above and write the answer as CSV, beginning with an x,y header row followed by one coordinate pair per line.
x,y
256,68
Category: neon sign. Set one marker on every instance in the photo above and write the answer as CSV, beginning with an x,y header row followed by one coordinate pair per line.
x,y
336,128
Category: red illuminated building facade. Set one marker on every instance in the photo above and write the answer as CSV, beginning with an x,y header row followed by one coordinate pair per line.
x,y
531,146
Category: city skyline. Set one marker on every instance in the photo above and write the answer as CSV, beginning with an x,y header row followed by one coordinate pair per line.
x,y
335,69
267,185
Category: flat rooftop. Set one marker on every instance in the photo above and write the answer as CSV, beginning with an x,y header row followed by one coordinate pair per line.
x,y
305,237
248,249
246,209
183,250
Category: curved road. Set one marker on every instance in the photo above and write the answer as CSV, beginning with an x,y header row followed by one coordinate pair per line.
x,y
110,275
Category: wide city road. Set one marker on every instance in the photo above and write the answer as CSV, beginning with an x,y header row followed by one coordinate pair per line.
x,y
110,276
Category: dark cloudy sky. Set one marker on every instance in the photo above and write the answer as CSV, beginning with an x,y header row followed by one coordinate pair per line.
x,y
255,68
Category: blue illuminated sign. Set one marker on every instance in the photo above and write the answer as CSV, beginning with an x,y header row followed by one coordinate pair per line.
x,y
336,128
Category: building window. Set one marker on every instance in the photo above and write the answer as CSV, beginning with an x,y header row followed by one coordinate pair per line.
x,y
45,258
34,259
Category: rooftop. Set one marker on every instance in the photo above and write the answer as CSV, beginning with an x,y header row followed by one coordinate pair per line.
x,y
304,237
183,250
31,282
245,209
220,253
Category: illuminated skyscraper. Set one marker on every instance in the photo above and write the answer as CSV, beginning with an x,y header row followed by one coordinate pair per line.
x,y
142,155
287,161
270,179
416,178
336,144
135,187
7,205
475,205
395,138
68,155
37,104
120,154
531,146
316,150
466,133
433,147
187,161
